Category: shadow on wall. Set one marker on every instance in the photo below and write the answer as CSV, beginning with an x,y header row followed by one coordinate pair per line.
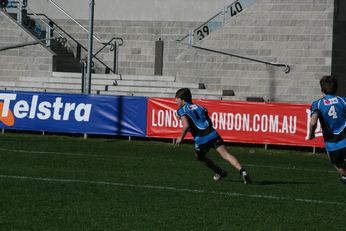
x,y
272,86
339,45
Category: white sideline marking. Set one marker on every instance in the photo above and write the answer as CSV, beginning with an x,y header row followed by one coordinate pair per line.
x,y
174,189
221,163
42,152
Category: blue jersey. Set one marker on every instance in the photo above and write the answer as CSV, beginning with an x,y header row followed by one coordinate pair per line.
x,y
201,127
331,113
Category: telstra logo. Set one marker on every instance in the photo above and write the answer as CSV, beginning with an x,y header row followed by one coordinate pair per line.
x,y
8,119
10,109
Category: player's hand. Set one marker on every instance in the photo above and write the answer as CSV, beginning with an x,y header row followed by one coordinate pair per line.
x,y
178,141
311,136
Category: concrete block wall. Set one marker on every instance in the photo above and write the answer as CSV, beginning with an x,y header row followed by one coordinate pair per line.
x,y
298,33
21,63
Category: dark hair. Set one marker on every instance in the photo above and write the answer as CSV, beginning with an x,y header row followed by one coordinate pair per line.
x,y
184,94
329,85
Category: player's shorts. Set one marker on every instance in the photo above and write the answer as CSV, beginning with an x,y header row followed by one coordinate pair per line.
x,y
337,156
202,149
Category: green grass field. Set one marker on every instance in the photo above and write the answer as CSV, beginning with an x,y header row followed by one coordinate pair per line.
x,y
68,183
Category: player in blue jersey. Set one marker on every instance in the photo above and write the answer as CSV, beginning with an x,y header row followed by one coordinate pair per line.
x,y
195,120
330,111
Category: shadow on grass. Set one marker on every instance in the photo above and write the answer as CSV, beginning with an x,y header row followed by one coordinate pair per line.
x,y
269,182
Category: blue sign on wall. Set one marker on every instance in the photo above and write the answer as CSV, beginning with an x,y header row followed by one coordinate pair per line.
x,y
75,113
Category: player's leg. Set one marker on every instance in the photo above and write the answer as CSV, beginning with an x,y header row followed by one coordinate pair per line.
x,y
234,162
228,157
221,149
200,154
341,168
338,159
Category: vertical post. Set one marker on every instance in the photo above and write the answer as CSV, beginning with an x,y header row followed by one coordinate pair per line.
x,y
158,57
224,14
79,51
190,38
116,57
90,43
48,35
19,13
84,70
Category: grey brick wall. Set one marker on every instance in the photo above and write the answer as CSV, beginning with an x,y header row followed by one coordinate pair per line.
x,y
298,33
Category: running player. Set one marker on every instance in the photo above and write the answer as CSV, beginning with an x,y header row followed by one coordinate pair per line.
x,y
195,119
330,111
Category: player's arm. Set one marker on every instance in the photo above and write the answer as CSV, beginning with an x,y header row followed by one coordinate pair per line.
x,y
186,126
313,125
344,101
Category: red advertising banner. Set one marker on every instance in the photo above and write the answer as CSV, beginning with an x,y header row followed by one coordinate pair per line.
x,y
237,121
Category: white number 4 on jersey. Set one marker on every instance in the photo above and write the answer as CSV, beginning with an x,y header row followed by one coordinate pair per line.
x,y
332,112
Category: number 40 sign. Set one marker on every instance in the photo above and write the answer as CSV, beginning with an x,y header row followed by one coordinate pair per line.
x,y
216,22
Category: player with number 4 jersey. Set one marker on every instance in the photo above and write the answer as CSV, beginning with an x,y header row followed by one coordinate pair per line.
x,y
330,111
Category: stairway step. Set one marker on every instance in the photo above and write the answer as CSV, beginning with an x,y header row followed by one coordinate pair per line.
x,y
168,90
154,84
157,94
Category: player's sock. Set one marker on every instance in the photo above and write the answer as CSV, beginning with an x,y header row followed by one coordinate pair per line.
x,y
219,171
245,175
343,179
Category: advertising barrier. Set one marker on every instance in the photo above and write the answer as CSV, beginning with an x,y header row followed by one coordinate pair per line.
x,y
73,113
246,122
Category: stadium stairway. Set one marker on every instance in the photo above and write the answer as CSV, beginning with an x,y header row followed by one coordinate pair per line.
x,y
63,59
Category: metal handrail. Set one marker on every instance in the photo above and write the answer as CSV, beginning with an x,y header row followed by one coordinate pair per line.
x,y
25,44
74,20
286,69
110,43
70,36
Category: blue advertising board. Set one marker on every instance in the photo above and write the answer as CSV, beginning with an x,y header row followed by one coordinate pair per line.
x,y
73,113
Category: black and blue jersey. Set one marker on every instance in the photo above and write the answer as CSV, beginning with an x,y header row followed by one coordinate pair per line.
x,y
201,127
331,113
